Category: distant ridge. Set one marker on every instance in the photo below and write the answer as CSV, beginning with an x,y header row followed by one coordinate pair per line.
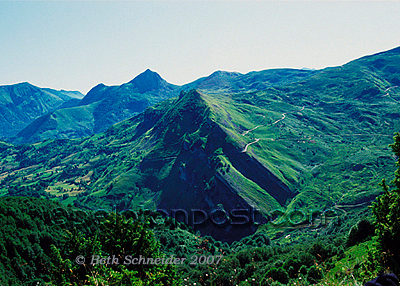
x,y
22,103
281,139
102,107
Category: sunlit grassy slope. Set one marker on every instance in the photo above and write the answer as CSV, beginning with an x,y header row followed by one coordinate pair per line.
x,y
279,138
22,103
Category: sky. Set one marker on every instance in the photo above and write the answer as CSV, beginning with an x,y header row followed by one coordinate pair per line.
x,y
76,45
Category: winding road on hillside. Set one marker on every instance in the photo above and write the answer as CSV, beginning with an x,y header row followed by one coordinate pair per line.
x,y
245,133
258,139
245,148
387,93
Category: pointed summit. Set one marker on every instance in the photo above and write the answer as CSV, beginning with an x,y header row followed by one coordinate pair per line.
x,y
148,81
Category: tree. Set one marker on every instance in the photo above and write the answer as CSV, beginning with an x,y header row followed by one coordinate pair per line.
x,y
386,210
363,230
278,274
117,237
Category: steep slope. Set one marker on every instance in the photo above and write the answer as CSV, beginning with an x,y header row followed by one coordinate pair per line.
x,y
22,103
312,142
167,157
188,172
107,105
102,107
234,82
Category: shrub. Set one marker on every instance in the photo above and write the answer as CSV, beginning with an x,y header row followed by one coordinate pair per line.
x,y
360,232
278,274
314,274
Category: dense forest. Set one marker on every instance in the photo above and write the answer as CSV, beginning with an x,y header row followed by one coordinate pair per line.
x,y
307,150
46,243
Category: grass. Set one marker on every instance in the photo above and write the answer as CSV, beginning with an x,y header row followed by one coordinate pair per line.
x,y
329,147
347,270
60,189
250,191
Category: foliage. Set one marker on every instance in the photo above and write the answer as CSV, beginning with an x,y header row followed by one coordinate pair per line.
x,y
360,232
40,241
302,132
386,210
115,240
278,274
65,236
27,231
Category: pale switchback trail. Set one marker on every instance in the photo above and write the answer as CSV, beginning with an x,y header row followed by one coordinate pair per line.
x,y
245,148
258,139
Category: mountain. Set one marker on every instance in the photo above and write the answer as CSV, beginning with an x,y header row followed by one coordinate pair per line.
x,y
102,107
294,141
22,103
229,82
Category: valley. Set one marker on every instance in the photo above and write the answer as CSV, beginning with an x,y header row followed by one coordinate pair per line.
x,y
283,142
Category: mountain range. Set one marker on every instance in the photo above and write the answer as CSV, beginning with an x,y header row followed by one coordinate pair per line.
x,y
104,105
277,139
22,103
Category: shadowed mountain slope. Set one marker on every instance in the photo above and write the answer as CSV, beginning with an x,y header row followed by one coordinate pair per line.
x,y
102,107
22,103
317,141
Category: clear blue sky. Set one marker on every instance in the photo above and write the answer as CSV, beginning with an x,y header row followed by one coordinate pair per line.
x,y
76,45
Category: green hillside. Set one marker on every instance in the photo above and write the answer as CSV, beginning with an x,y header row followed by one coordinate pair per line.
x,y
315,143
102,107
22,103
274,169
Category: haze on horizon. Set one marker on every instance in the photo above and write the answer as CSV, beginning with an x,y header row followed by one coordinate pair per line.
x,y
76,45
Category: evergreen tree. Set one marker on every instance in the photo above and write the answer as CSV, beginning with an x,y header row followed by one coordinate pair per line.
x,y
386,210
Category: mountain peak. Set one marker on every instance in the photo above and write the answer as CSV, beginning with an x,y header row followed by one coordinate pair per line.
x,y
147,81
24,83
24,88
220,73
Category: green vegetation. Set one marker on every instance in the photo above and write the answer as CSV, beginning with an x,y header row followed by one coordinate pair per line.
x,y
102,107
116,238
295,145
22,103
41,240
386,211
28,231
